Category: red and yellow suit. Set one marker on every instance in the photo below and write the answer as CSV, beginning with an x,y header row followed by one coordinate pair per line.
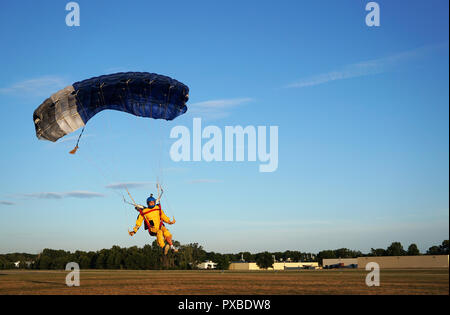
x,y
155,218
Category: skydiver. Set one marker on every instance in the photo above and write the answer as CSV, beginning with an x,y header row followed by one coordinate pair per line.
x,y
154,218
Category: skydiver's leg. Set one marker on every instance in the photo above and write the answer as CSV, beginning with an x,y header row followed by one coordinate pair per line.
x,y
167,235
160,240
168,238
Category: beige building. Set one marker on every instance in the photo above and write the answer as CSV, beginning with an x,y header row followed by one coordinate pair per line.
x,y
400,262
276,266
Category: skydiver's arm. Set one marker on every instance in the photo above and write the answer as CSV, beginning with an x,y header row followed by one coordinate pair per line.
x,y
139,221
166,219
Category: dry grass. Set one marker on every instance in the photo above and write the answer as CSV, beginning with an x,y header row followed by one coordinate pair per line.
x,y
225,283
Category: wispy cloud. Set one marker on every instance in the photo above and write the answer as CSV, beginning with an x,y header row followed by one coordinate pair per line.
x,y
273,224
6,203
204,181
366,68
216,109
42,86
175,169
224,103
117,69
60,195
130,185
71,138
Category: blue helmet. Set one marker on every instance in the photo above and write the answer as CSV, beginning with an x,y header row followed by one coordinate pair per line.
x,y
150,199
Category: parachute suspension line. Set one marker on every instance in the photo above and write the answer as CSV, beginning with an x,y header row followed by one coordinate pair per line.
x,y
149,97
157,166
134,202
101,94
90,161
160,157
156,132
163,142
137,208
127,87
161,178
167,102
126,201
78,141
111,132
79,137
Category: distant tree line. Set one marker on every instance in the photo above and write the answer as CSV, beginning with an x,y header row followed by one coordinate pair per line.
x,y
7,260
189,256
338,253
395,249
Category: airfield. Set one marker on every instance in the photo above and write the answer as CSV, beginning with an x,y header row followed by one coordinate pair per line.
x,y
206,282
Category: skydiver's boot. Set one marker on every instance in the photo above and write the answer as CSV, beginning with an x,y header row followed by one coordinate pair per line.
x,y
169,240
166,249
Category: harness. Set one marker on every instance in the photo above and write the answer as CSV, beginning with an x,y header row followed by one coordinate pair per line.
x,y
147,224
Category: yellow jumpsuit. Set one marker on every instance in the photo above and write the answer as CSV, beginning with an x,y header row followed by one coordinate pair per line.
x,y
154,217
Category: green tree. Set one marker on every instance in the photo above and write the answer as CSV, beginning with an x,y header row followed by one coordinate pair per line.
x,y
151,256
434,250
377,252
325,254
444,247
294,256
4,263
102,257
413,250
247,257
264,260
396,249
278,256
44,263
223,261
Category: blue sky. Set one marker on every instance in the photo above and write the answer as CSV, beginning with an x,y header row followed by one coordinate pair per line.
x,y
362,113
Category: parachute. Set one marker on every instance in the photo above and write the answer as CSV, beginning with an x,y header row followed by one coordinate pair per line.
x,y
141,94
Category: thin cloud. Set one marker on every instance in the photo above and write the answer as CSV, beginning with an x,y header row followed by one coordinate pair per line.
x,y
291,223
71,138
60,195
6,203
366,68
175,169
203,181
42,86
130,185
224,103
216,109
116,69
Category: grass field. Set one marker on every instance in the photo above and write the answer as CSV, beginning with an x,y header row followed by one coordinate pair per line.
x,y
225,283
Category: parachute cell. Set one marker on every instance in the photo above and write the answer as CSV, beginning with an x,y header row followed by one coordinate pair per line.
x,y
138,93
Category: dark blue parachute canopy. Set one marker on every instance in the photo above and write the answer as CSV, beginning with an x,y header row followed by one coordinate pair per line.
x,y
138,93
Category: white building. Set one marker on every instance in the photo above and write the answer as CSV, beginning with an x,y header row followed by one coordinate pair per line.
x,y
207,265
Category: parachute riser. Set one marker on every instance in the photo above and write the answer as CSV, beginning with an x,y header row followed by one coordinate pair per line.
x,y
78,141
